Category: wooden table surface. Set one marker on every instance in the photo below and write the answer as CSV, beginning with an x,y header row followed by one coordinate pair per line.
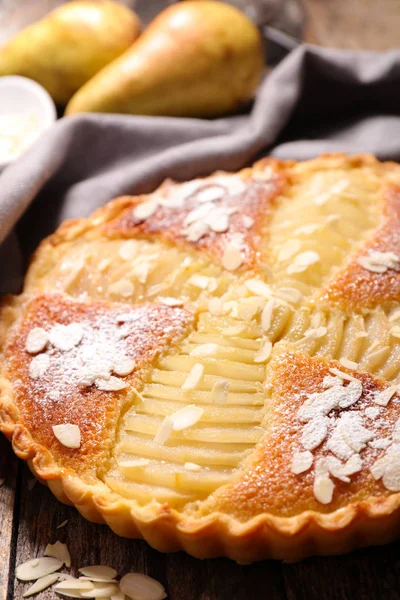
x,y
29,515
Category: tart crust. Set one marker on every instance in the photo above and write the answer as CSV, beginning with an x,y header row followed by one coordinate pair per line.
x,y
264,512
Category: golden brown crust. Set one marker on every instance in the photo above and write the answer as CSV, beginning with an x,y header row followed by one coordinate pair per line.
x,y
95,411
355,287
267,484
284,520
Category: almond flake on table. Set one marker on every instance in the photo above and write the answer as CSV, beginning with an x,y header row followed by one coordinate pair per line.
x,y
101,590
36,340
395,331
60,551
68,435
263,354
379,262
194,377
303,261
74,584
41,584
98,571
136,585
37,568
63,524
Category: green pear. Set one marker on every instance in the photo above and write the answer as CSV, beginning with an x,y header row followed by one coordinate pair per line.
x,y
198,59
70,45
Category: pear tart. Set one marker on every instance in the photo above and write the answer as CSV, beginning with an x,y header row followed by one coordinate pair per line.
x,y
215,366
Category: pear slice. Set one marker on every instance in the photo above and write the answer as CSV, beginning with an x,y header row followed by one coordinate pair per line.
x,y
196,59
66,48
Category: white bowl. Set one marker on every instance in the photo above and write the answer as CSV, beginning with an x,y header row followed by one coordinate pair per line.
x,y
20,95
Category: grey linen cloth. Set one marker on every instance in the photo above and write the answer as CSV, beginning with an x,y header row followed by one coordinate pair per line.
x,y
315,101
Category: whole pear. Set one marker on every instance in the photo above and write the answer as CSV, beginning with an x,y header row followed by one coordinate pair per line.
x,y
198,59
66,48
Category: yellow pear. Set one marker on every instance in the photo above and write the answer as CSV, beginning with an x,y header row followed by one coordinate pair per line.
x,y
199,59
70,45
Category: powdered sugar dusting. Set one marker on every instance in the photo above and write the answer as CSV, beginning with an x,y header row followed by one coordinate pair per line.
x,y
100,350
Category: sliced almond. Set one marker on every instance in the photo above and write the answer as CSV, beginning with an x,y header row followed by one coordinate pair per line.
x,y
383,398
68,435
264,353
60,551
194,377
323,489
186,417
136,585
74,584
123,288
301,462
266,315
36,340
348,364
205,350
37,568
123,365
169,301
101,590
66,337
303,261
39,365
220,391
232,257
41,584
164,431
113,384
258,287
99,571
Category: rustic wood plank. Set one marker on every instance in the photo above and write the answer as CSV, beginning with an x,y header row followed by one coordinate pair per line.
x,y
354,24
8,474
368,574
184,577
